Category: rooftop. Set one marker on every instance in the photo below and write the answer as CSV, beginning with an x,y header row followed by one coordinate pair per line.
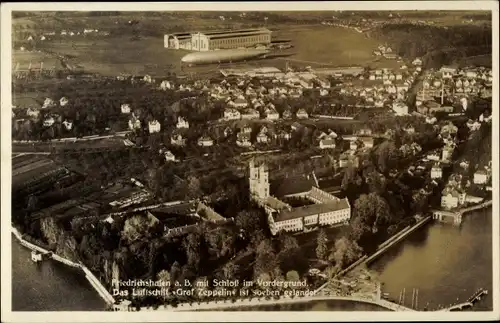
x,y
312,209
292,185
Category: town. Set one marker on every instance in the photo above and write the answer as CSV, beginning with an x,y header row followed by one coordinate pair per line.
x,y
245,171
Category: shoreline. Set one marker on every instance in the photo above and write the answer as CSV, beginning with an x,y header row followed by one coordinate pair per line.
x,y
94,282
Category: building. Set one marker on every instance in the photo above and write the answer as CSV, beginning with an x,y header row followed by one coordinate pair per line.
x,y
302,114
205,141
182,123
452,198
169,156
249,114
243,140
177,140
481,177
272,114
258,181
134,123
436,171
63,101
399,108
447,152
310,216
154,126
231,114
68,124
327,142
326,210
48,122
125,108
178,41
223,39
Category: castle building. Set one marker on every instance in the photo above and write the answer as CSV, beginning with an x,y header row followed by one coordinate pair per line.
x,y
325,210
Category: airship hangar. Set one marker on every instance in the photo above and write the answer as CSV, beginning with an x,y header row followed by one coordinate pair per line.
x,y
221,39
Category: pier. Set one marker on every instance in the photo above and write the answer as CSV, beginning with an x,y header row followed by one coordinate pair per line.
x,y
467,304
456,216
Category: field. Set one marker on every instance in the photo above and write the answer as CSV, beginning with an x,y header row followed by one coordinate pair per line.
x,y
24,58
332,46
115,55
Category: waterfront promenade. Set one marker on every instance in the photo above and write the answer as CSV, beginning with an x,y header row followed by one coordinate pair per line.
x,y
228,304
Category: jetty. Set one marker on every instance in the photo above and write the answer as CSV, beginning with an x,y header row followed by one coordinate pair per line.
x,y
468,303
456,216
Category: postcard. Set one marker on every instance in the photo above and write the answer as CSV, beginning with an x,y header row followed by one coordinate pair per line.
x,y
250,161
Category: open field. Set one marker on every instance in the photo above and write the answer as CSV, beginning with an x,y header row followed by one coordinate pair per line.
x,y
329,45
315,45
116,55
24,58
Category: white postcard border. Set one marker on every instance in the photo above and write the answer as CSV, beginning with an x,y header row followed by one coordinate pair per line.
x,y
9,316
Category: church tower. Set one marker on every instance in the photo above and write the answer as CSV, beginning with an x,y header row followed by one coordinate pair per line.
x,y
258,181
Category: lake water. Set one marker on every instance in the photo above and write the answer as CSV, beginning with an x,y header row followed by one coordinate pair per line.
x,y
49,285
443,261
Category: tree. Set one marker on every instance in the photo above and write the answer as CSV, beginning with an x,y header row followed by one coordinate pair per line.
x,y
346,252
230,270
137,227
372,211
322,248
192,244
193,187
175,272
292,275
351,178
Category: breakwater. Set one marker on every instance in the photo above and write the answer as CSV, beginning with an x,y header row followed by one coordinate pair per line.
x,y
101,290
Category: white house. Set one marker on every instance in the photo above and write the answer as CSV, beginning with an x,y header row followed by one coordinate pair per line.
x,y
63,101
240,102
327,142
262,137
33,112
125,108
436,171
417,62
154,126
272,114
134,123
68,124
205,141
182,123
302,114
166,85
451,198
169,156
48,103
481,177
232,114
48,122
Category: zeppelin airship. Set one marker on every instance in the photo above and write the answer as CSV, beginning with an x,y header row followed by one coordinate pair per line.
x,y
223,56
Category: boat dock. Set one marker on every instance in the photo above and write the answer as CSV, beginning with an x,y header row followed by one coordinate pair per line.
x,y
469,303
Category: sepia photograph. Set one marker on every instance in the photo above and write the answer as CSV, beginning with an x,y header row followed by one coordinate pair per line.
x,y
237,159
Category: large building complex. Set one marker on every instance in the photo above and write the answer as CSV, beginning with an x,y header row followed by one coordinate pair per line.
x,y
213,40
326,210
